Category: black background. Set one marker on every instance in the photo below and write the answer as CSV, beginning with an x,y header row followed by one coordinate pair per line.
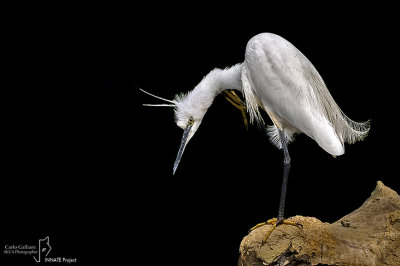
x,y
87,165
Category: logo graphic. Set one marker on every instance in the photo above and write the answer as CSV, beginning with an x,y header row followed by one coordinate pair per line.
x,y
40,252
44,248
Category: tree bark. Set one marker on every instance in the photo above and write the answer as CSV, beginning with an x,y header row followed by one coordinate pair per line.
x,y
369,235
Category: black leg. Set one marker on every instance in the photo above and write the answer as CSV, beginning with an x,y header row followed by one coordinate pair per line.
x,y
286,168
280,220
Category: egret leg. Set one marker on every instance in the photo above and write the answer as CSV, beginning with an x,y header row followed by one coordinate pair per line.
x,y
231,97
280,220
286,168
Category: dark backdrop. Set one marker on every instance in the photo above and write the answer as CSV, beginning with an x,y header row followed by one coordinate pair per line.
x,y
87,165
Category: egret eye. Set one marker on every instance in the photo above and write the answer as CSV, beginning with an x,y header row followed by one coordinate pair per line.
x,y
190,121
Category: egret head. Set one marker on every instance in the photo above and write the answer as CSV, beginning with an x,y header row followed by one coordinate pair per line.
x,y
189,112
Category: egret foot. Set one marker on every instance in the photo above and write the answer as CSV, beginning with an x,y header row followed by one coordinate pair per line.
x,y
231,97
274,222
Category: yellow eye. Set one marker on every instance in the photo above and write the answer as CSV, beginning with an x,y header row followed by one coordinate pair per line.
x,y
191,121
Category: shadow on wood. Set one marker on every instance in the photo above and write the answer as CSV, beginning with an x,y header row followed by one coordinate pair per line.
x,y
369,235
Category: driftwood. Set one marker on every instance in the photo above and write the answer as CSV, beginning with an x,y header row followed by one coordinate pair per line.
x,y
369,235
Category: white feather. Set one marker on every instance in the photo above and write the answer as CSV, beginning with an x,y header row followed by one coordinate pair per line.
x,y
275,138
158,97
159,105
252,102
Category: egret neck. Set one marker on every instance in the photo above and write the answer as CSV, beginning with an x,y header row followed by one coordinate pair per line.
x,y
214,83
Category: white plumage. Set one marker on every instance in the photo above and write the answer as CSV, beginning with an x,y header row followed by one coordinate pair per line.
x,y
279,79
282,81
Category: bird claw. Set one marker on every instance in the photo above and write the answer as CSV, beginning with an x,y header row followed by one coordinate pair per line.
x,y
231,97
274,222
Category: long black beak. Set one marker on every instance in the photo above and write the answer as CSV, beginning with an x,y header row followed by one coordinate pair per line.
x,y
183,144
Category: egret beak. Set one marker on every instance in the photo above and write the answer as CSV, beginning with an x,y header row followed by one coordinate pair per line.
x,y
183,144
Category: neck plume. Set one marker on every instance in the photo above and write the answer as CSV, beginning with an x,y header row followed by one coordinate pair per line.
x,y
222,79
211,85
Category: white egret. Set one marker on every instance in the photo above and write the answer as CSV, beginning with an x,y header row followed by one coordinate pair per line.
x,y
277,78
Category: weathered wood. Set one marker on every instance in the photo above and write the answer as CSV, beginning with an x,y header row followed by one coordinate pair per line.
x,y
369,235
